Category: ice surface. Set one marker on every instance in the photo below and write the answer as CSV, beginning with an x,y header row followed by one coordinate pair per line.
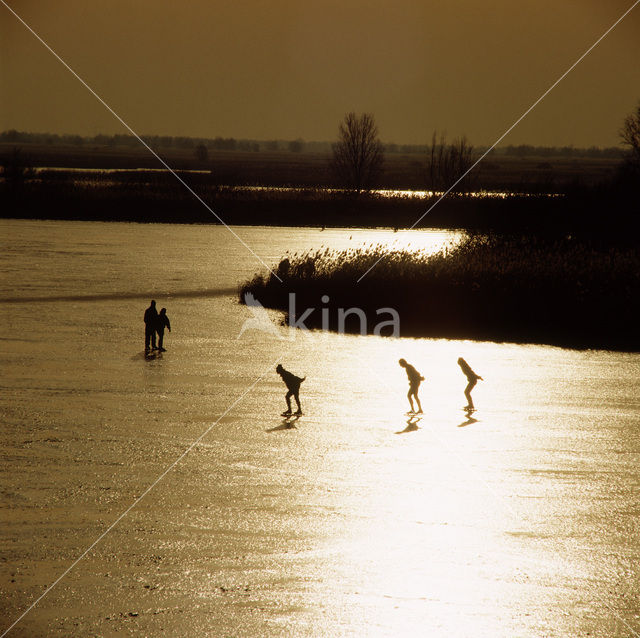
x,y
522,522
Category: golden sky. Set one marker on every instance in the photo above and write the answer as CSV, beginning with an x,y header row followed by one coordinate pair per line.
x,y
267,69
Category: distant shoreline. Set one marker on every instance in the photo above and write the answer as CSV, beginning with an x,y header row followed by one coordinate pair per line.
x,y
156,196
103,183
535,171
577,213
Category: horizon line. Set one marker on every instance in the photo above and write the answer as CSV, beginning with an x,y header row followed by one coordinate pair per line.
x,y
296,139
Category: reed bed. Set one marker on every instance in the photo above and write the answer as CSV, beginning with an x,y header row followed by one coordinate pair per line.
x,y
566,291
152,196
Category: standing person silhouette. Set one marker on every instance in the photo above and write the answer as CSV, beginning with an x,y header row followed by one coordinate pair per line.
x,y
293,386
472,378
150,324
415,379
163,321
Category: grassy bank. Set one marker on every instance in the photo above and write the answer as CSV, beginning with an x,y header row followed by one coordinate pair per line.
x,y
156,197
160,198
563,291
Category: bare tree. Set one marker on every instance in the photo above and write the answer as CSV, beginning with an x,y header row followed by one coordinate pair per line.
x,y
446,163
630,134
358,154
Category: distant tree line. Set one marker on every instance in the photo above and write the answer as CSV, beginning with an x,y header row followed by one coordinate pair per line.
x,y
160,141
294,146
526,150
521,150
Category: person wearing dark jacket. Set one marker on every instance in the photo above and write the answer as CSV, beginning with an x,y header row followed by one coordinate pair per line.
x,y
150,324
293,386
163,322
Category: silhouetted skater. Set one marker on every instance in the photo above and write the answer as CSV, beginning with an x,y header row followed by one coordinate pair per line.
x,y
163,322
293,386
472,378
150,324
415,378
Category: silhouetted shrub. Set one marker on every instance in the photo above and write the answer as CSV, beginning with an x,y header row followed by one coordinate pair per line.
x,y
522,289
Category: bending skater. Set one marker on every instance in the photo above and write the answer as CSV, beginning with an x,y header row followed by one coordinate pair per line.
x,y
150,323
163,321
293,386
472,378
415,378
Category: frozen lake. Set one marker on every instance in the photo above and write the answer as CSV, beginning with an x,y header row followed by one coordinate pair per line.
x,y
522,520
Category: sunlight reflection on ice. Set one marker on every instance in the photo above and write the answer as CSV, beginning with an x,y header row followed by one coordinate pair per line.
x,y
521,523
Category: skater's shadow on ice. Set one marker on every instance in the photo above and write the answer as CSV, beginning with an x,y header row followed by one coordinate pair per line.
x,y
412,425
289,423
469,420
151,355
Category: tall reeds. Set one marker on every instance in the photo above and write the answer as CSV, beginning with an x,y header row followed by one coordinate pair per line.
x,y
524,289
